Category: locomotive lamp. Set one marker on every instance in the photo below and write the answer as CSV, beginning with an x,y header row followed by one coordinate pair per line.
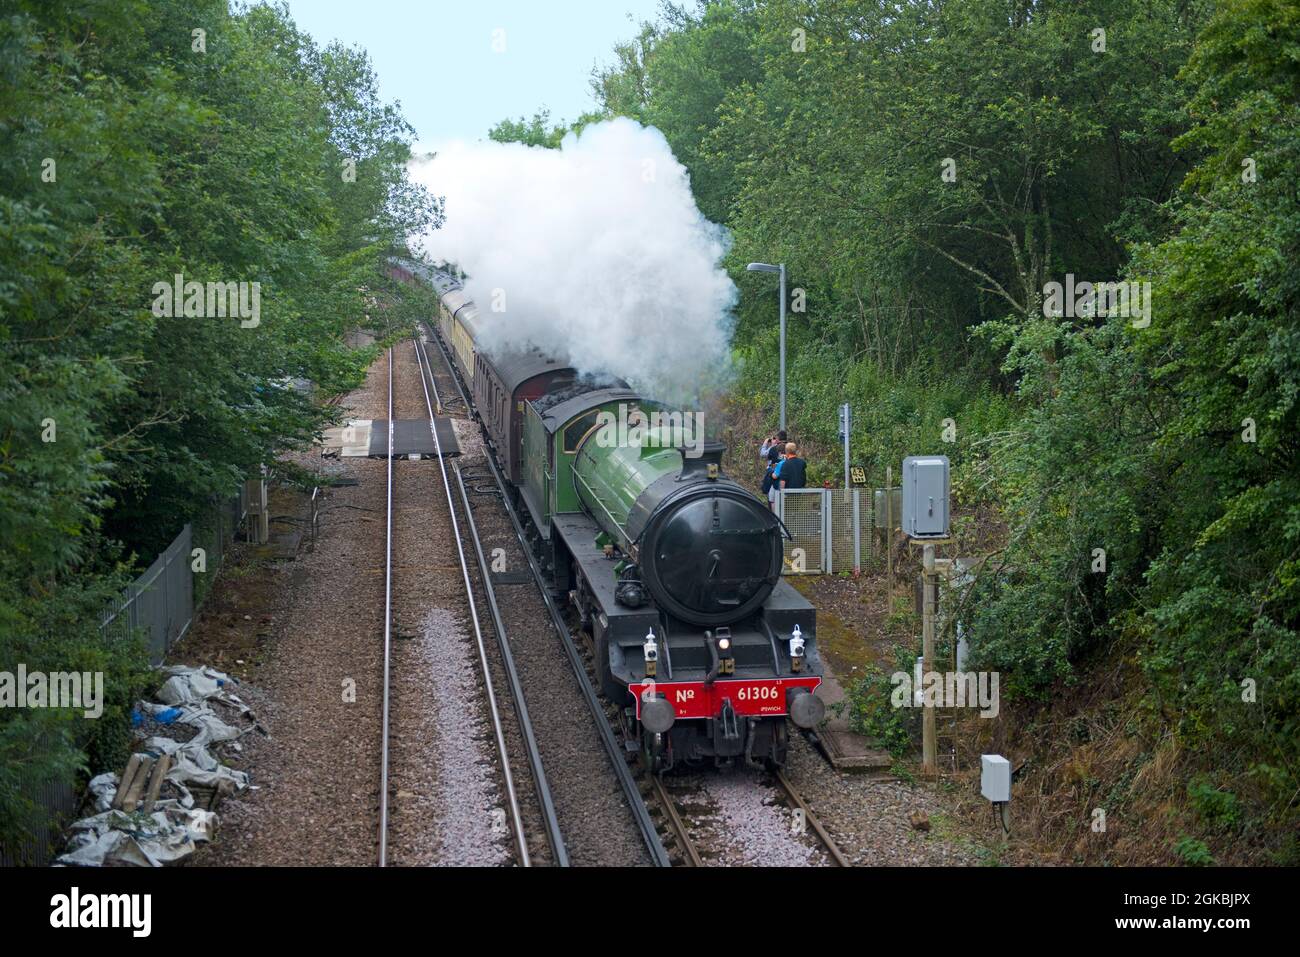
x,y
796,649
726,660
651,649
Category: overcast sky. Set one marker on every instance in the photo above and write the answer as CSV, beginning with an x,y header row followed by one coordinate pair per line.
x,y
437,56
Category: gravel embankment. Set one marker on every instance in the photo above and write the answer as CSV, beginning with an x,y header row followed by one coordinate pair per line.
x,y
868,818
317,689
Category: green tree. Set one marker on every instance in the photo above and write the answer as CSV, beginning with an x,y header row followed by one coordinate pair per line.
x,y
137,150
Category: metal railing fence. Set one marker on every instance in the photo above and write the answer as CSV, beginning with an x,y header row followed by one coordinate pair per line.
x,y
833,530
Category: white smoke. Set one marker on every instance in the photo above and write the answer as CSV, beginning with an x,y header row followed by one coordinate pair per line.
x,y
594,252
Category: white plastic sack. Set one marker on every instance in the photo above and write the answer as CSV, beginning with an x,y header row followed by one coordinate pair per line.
x,y
190,686
104,788
194,764
141,840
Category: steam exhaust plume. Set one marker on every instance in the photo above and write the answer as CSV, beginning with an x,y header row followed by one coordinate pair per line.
x,y
594,253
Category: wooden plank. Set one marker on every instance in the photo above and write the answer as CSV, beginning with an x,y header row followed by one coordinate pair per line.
x,y
160,770
128,778
132,799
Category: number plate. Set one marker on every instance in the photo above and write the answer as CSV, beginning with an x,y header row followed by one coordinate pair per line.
x,y
756,698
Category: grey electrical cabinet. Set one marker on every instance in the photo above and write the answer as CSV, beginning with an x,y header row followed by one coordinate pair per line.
x,y
925,496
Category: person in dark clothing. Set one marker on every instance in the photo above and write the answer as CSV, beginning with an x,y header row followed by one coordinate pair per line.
x,y
774,451
777,449
794,470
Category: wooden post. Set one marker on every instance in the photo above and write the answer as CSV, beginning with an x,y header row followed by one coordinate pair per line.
x,y
889,538
259,515
928,746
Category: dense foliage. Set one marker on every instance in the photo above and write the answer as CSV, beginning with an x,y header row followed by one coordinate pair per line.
x,y
925,170
144,140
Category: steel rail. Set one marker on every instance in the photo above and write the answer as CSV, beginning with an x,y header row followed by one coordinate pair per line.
x,y
497,727
811,819
675,822
553,833
388,632
636,803
544,798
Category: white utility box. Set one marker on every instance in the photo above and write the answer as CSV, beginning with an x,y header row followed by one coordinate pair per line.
x,y
995,778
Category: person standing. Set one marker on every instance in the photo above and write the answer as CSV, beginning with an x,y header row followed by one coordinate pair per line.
x,y
769,485
772,482
775,451
793,472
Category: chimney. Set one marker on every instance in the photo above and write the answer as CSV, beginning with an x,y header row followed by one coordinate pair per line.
x,y
708,464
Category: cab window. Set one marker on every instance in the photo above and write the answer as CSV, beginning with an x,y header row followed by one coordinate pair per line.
x,y
576,429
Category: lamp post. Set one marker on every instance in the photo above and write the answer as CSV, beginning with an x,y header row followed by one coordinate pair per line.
x,y
780,268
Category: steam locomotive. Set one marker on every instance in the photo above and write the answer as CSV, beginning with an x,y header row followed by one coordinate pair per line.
x,y
674,569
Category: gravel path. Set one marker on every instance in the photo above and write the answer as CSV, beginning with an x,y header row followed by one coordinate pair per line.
x,y
868,818
317,690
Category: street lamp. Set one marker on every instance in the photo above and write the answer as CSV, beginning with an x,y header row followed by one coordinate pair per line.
x,y
768,267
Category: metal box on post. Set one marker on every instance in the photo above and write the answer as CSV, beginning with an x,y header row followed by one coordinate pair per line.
x,y
995,778
925,496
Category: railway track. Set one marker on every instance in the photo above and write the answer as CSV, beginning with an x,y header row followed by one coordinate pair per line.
x,y
676,824
388,633
672,825
688,853
463,535
810,819
641,813
547,804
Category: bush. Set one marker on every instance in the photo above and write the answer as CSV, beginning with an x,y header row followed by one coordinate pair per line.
x,y
1193,852
1216,808
871,712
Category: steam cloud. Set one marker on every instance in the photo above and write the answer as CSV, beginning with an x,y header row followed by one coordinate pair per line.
x,y
599,251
